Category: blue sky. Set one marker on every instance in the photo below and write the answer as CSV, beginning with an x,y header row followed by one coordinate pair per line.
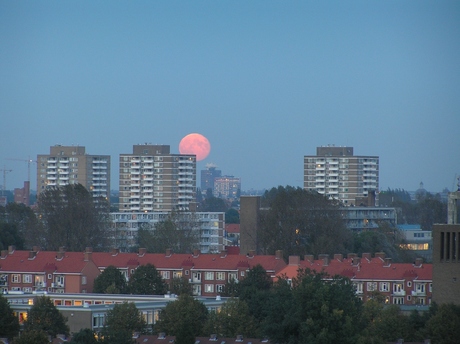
x,y
265,81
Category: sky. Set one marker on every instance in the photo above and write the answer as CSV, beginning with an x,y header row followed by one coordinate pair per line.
x,y
265,81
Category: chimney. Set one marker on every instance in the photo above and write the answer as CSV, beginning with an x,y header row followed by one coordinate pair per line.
x,y
88,249
32,254
355,261
142,251
309,258
367,256
418,262
88,256
294,260
387,262
11,249
338,257
168,252
4,254
351,255
59,254
115,251
36,248
380,255
279,254
223,254
324,258
196,253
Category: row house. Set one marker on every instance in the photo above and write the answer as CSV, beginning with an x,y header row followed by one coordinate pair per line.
x,y
50,271
398,283
207,273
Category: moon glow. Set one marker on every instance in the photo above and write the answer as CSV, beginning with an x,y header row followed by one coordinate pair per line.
x,y
195,144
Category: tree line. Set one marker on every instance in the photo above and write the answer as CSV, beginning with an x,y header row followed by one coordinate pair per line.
x,y
312,308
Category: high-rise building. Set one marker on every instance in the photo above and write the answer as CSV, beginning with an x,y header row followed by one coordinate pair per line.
x,y
153,179
207,177
337,173
71,165
228,187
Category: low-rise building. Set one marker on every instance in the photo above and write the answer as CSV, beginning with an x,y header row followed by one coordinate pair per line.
x,y
417,240
50,271
398,283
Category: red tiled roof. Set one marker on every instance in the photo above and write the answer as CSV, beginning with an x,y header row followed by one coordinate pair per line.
x,y
232,228
199,262
19,261
373,269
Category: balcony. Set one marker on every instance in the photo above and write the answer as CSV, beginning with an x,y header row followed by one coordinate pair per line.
x,y
399,293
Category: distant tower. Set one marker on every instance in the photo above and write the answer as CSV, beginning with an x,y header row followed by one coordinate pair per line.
x,y
207,177
452,205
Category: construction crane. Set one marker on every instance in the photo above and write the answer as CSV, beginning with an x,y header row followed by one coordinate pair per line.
x,y
29,161
5,171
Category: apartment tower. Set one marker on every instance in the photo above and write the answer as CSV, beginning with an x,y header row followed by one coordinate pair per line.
x,y
338,174
71,165
153,179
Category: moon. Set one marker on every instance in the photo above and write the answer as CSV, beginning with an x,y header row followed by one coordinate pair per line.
x,y
195,144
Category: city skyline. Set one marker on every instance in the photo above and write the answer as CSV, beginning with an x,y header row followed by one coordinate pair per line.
x,y
265,82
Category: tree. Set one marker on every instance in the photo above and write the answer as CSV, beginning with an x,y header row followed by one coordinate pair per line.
x,y
180,286
318,309
9,324
232,216
9,235
25,222
183,318
146,280
298,222
73,218
232,320
121,322
214,204
179,232
444,326
32,337
44,316
110,281
84,336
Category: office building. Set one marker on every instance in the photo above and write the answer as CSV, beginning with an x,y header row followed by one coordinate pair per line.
x,y
207,177
71,165
338,174
227,187
153,179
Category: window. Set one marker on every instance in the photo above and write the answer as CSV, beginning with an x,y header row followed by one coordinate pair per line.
x,y
232,276
27,289
430,287
371,286
242,273
98,320
177,274
359,288
384,286
27,278
164,274
220,276
16,278
83,279
398,300
50,276
209,288
409,284
220,288
209,276
398,287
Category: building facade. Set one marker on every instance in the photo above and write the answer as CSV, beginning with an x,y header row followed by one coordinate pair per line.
x,y
209,225
368,218
398,283
207,177
71,165
338,174
227,187
153,179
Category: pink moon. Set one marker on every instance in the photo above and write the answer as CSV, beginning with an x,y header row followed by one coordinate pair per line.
x,y
195,144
